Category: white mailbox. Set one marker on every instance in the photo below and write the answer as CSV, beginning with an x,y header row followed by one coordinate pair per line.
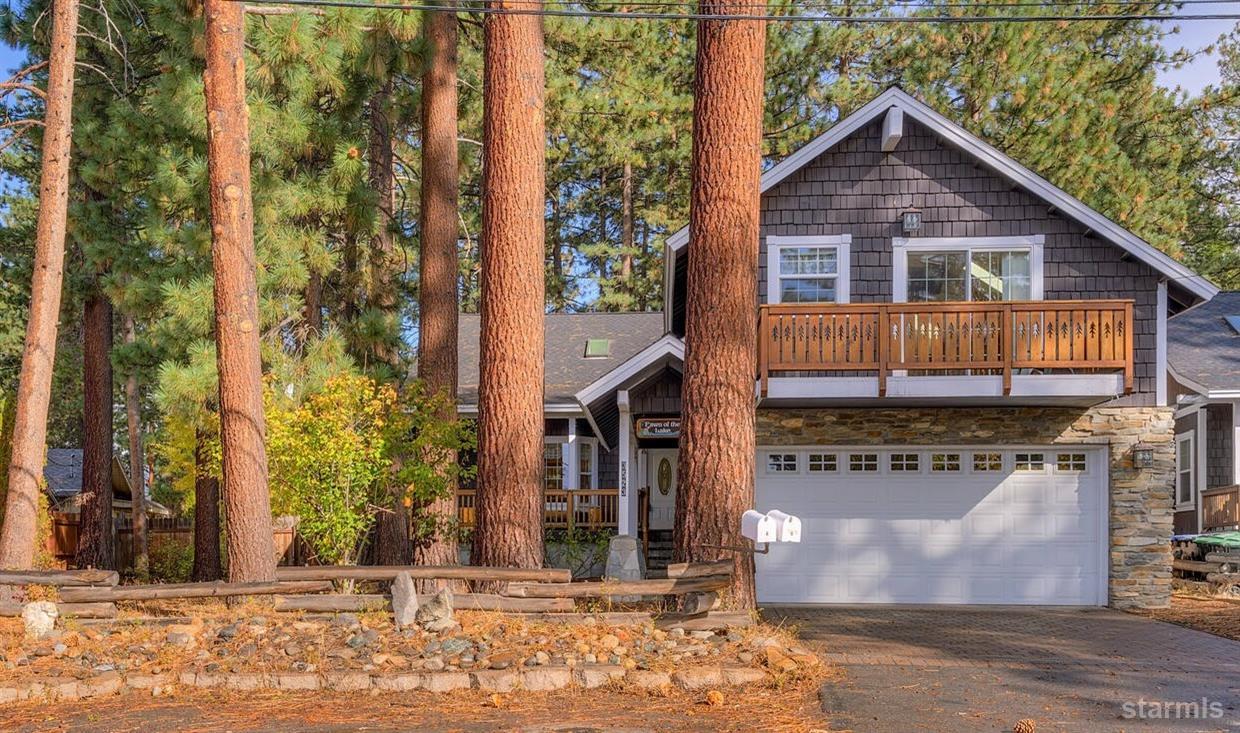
x,y
757,526
787,527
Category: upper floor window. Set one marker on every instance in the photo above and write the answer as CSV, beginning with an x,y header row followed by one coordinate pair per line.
x,y
967,268
807,269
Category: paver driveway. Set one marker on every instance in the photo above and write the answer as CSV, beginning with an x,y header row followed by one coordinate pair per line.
x,y
972,668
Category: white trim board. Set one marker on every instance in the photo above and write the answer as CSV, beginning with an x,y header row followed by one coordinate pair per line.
x,y
996,161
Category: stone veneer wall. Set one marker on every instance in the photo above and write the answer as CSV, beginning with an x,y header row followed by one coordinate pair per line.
x,y
1141,503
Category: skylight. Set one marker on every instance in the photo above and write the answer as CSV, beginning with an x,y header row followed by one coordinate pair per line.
x,y
1234,322
598,348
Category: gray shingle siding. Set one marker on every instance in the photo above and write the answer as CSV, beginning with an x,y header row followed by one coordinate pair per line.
x,y
659,397
1218,446
858,190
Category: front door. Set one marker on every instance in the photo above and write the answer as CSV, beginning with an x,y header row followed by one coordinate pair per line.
x,y
661,465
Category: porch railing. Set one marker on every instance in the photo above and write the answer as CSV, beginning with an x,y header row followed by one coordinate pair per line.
x,y
1220,508
579,509
977,337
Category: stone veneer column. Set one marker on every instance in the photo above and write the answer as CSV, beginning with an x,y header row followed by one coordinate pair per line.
x,y
1141,507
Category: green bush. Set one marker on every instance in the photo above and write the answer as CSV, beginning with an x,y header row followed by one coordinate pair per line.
x,y
172,558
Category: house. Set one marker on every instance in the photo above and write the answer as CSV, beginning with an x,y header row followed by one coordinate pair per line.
x,y
961,385
1203,358
63,476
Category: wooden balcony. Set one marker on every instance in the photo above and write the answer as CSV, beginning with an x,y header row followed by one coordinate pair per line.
x,y
1220,508
978,338
580,509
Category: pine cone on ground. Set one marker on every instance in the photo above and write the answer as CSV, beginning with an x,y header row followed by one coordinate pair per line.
x,y
1025,726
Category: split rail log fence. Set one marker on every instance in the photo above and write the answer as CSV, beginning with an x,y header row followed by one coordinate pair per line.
x,y
94,593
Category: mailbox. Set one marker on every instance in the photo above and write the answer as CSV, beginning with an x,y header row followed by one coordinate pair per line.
x,y
757,527
787,527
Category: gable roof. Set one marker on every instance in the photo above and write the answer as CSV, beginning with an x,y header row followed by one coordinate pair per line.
x,y
63,473
567,368
897,99
1203,350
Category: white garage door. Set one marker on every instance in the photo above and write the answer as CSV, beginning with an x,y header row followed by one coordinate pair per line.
x,y
936,525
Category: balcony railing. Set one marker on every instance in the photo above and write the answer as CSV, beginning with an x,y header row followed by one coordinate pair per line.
x,y
947,338
579,509
1220,508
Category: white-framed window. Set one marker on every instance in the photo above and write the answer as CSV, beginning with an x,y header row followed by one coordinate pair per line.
x,y
811,269
1070,462
863,462
823,463
905,462
944,462
587,463
936,269
781,462
553,464
987,462
1185,476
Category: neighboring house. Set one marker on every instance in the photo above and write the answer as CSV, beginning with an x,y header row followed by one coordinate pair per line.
x,y
1203,354
63,474
961,384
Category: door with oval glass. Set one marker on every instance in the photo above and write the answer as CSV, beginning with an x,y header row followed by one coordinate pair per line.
x,y
661,464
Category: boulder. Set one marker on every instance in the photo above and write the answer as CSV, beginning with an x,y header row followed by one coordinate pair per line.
x,y
39,618
405,601
436,615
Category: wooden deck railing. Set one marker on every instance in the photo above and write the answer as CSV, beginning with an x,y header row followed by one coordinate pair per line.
x,y
1220,508
988,337
580,509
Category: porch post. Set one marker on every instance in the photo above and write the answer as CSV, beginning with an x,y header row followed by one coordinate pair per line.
x,y
627,514
570,457
1201,475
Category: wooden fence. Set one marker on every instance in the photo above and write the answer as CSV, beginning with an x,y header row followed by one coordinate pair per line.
x,y
63,541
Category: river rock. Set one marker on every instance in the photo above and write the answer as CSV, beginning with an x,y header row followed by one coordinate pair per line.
x,y
39,618
436,615
404,601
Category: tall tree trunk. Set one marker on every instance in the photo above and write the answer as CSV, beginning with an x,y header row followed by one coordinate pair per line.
x,y
95,548
626,227
34,390
437,299
133,420
206,515
717,440
383,262
251,553
312,312
510,385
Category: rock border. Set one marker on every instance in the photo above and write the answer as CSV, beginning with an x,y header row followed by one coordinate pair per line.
x,y
490,680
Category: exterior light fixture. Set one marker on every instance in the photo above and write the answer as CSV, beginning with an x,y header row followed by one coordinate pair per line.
x,y
910,220
1142,456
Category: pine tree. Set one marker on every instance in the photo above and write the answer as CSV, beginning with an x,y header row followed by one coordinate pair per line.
x,y
251,554
17,538
510,384
437,270
95,546
716,469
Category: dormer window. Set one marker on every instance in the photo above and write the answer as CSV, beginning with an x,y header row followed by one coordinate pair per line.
x,y
598,348
807,269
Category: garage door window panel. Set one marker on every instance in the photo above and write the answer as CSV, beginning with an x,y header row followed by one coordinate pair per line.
x,y
781,463
823,463
863,462
987,462
1030,462
905,462
944,462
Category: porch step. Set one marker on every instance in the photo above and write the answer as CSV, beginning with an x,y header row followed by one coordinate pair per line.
x,y
659,555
